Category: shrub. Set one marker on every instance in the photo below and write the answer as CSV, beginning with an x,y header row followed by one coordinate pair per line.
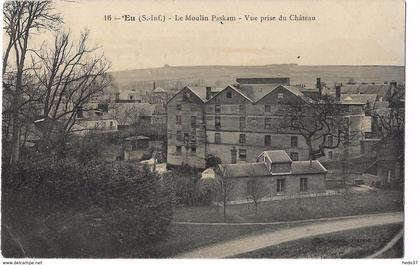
x,y
90,209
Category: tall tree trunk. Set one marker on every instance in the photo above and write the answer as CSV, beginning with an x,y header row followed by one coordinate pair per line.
x,y
224,210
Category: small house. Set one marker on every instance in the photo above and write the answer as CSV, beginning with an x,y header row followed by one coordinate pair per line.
x,y
275,174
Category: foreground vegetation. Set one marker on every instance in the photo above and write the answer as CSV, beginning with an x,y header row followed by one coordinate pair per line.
x,y
60,207
358,243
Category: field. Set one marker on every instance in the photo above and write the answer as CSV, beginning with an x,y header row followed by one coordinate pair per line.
x,y
183,238
358,243
222,75
298,209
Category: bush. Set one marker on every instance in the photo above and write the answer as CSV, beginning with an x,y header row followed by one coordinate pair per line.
x,y
186,183
87,209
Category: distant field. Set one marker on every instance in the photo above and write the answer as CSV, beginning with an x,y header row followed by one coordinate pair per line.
x,y
168,77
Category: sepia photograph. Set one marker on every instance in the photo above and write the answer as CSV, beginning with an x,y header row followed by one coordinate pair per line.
x,y
203,129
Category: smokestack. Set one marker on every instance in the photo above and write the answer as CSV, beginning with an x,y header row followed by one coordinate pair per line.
x,y
319,86
208,92
117,96
392,87
337,92
154,85
233,152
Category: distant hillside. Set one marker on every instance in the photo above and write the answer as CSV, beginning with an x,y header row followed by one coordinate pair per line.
x,y
221,75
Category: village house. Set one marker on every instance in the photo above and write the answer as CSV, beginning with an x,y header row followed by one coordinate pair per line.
x,y
241,121
275,175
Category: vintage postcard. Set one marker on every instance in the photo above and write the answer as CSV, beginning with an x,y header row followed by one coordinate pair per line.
x,y
203,129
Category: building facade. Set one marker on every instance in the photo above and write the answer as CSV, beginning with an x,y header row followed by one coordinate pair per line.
x,y
241,121
273,175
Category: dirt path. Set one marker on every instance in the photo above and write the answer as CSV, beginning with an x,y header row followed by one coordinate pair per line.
x,y
250,243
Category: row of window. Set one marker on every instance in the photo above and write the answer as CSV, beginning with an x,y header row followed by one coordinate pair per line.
x,y
193,149
242,124
242,108
193,120
186,137
280,185
267,139
193,107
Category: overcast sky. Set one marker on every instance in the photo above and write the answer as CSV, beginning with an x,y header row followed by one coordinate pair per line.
x,y
345,32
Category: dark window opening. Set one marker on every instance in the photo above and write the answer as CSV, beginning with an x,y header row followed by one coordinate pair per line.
x,y
267,123
294,156
303,184
293,141
267,140
242,138
217,138
242,154
281,185
217,122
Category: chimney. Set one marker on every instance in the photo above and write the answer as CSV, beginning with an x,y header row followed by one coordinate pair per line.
x,y
319,86
117,96
154,85
337,92
392,87
233,153
208,92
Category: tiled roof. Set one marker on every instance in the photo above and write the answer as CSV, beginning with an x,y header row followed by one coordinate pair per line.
x,y
380,89
138,137
200,91
362,98
294,90
278,156
307,167
257,91
158,90
245,170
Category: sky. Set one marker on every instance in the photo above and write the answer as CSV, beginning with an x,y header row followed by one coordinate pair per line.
x,y
345,32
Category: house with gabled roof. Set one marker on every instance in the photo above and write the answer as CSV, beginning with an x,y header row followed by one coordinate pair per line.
x,y
276,173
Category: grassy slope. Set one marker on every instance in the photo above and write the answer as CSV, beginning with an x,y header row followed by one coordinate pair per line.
x,y
357,243
185,237
287,210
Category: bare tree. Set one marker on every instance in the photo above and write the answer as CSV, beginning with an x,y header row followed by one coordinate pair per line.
x,y
256,188
21,20
223,186
68,75
318,122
